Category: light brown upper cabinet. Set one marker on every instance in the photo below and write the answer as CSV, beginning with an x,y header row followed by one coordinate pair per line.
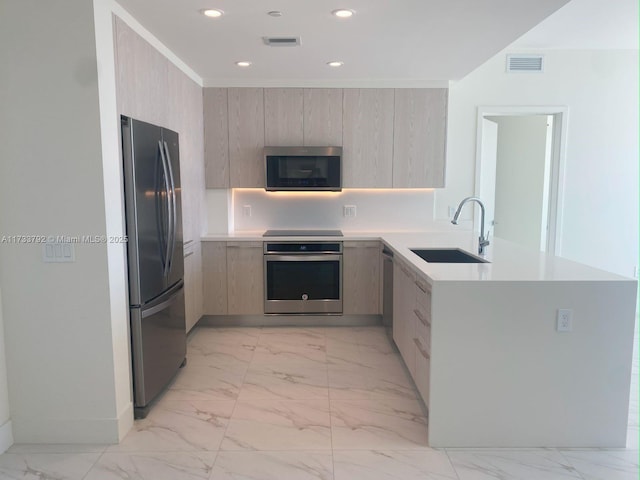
x,y
367,138
419,137
216,139
246,137
323,117
390,138
283,117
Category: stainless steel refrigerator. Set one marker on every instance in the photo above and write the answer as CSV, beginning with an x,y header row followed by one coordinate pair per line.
x,y
151,160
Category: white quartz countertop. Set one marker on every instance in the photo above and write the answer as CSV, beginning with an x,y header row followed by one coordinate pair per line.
x,y
508,262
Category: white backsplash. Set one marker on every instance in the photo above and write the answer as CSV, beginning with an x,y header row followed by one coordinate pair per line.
x,y
376,209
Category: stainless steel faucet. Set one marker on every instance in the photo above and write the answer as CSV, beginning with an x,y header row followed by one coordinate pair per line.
x,y
482,240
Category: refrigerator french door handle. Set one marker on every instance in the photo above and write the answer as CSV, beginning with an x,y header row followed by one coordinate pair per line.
x,y
174,203
170,211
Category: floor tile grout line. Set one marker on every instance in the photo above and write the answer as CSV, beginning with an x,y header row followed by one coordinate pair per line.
x,y
455,470
235,406
559,452
213,464
326,363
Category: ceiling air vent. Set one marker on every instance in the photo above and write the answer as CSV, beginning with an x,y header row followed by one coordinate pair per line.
x,y
281,41
525,64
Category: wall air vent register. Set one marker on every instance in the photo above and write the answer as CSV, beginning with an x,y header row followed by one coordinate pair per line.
x,y
281,41
525,64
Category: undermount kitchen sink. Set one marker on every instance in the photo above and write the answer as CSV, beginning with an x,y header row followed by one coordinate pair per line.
x,y
447,255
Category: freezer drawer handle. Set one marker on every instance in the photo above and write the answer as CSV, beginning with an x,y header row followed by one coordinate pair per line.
x,y
159,307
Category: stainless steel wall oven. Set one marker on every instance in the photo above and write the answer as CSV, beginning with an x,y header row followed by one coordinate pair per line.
x,y
303,277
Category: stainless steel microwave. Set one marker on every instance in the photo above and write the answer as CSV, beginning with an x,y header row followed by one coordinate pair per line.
x,y
303,168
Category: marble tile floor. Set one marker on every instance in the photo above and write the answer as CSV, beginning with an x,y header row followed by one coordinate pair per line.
x,y
296,404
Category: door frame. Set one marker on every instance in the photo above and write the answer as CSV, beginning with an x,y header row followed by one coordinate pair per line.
x,y
558,162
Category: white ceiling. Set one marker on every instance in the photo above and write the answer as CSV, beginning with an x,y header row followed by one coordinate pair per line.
x,y
587,25
392,42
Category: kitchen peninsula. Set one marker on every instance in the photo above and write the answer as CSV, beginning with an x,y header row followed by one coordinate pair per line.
x,y
490,363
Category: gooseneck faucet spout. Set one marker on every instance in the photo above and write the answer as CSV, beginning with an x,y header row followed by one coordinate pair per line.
x,y
482,240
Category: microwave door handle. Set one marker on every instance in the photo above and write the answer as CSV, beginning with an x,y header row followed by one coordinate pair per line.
x,y
174,206
167,253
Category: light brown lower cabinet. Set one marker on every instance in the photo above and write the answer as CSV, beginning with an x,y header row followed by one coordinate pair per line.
x,y
412,324
361,278
214,271
245,278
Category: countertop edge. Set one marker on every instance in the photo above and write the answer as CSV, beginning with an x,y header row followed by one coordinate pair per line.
x,y
508,262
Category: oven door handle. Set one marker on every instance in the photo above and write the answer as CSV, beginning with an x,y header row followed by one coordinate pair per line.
x,y
302,258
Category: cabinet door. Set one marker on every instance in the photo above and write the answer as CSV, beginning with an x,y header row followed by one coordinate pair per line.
x,y
419,141
361,278
246,137
368,138
283,123
193,285
398,320
403,316
245,278
185,117
214,278
139,64
216,138
322,117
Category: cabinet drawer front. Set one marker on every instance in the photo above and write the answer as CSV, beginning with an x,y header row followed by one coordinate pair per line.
x,y
406,269
361,244
422,375
423,325
423,285
244,245
421,350
423,335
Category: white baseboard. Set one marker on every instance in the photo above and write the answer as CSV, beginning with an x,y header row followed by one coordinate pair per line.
x,y
6,436
125,422
72,430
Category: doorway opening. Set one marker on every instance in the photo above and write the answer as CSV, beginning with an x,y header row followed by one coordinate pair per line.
x,y
520,162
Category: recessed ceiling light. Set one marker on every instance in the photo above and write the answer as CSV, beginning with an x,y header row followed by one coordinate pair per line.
x,y
275,13
343,13
335,64
243,64
213,13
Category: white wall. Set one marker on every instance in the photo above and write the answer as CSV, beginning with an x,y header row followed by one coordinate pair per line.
x,y
600,89
410,209
520,173
61,358
6,430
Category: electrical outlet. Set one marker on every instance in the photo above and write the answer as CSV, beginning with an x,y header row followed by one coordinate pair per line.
x,y
349,211
564,320
246,210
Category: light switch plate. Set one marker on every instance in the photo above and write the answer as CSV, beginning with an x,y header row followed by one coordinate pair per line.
x,y
58,252
349,211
